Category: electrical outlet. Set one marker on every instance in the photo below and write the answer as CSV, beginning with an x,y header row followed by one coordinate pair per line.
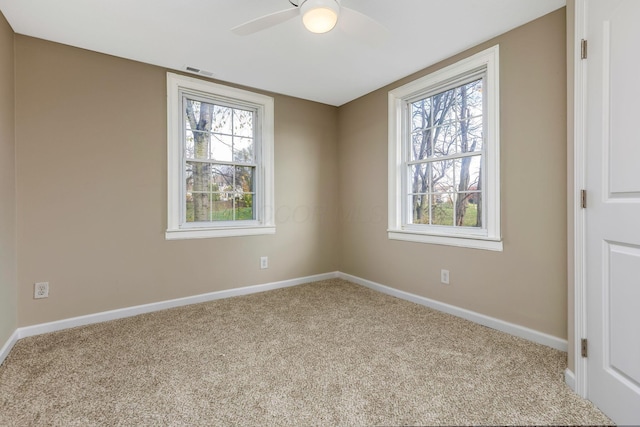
x,y
41,290
264,262
444,277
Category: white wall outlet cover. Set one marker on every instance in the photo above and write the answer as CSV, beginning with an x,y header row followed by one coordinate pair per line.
x,y
41,290
444,276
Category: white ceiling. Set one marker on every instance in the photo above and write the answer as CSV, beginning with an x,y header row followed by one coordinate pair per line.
x,y
332,68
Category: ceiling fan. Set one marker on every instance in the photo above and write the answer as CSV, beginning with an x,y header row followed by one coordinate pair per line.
x,y
319,16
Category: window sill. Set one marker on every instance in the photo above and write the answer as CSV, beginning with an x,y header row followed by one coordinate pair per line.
x,y
206,233
460,241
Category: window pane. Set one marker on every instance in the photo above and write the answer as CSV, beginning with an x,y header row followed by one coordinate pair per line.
x,y
451,106
201,141
421,144
467,173
447,139
244,193
243,123
190,216
441,104
222,179
198,191
442,209
200,175
419,178
467,178
221,120
420,209
222,209
420,129
189,149
442,176
243,150
199,115
474,97
244,179
470,135
222,193
420,113
244,207
469,209
189,192
221,148
192,116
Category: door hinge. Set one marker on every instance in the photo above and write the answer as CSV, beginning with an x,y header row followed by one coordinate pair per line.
x,y
583,49
583,199
583,347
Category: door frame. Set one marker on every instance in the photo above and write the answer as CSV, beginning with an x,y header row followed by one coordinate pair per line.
x,y
579,181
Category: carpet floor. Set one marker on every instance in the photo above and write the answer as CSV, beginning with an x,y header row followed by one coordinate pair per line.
x,y
324,353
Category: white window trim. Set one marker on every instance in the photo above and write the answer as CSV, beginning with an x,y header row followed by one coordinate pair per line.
x,y
265,223
398,229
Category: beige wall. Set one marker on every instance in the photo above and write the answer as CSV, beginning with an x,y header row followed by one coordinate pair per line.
x,y
527,283
91,159
8,316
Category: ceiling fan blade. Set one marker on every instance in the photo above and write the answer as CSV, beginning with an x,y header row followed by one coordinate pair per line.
x,y
362,27
265,22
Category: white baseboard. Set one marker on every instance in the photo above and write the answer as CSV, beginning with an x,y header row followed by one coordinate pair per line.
x,y
491,322
570,379
105,316
6,348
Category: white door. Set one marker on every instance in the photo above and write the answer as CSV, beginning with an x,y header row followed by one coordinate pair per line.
x,y
613,208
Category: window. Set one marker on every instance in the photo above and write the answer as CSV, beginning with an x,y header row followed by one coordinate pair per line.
x,y
444,184
220,160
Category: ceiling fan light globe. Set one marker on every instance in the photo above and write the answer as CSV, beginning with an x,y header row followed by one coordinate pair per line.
x,y
320,16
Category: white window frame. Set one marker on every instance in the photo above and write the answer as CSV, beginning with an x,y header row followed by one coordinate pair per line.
x,y
177,228
399,228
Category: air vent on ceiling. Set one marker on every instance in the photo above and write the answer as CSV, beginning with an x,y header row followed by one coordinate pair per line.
x,y
198,71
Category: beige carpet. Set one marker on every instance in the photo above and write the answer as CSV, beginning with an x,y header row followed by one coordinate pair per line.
x,y
325,353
